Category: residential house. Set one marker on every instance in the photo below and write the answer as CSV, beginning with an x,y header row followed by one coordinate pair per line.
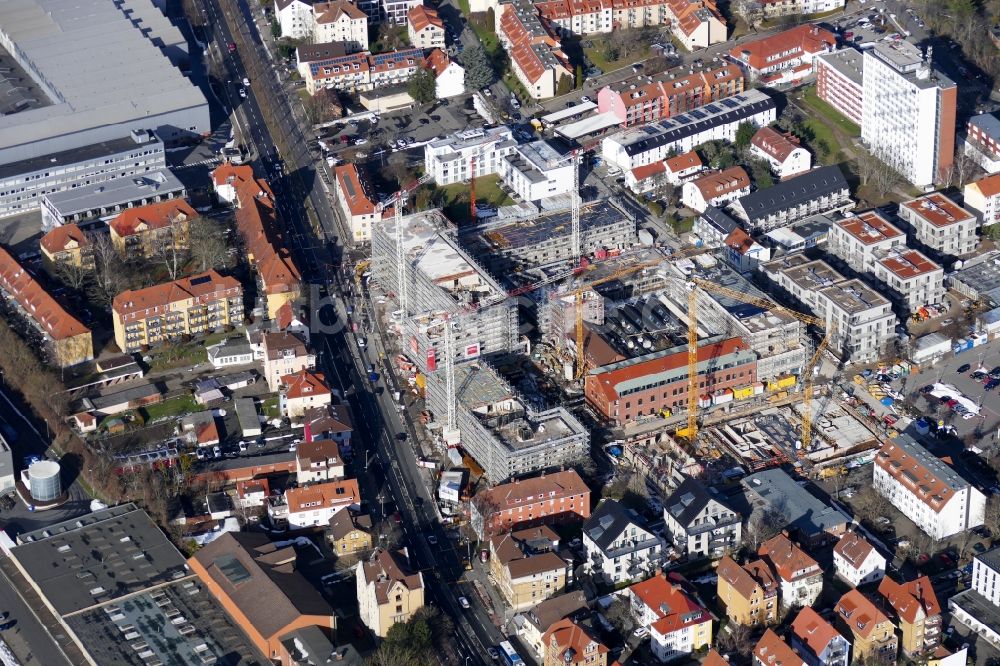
x,y
252,494
318,461
67,342
340,21
425,28
620,546
389,590
332,422
525,567
305,389
917,612
349,533
154,229
309,506
941,224
815,192
355,203
566,643
284,354
536,55
533,623
673,171
697,24
926,489
860,238
259,585
800,576
782,152
396,11
66,246
550,498
230,352
743,253
192,306
698,523
982,141
678,625
873,633
817,642
749,592
295,17
856,560
715,189
714,226
449,76
913,279
291,318
981,196
771,650
785,57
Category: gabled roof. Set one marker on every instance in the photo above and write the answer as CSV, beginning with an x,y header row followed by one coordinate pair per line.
x,y
988,186
540,488
784,46
422,16
854,548
344,522
740,242
37,303
641,173
746,579
793,192
608,521
386,569
787,558
771,650
674,608
328,419
203,288
688,500
342,492
572,643
325,451
774,144
859,613
813,630
330,12
910,599
303,384
438,61
683,162
56,240
353,190
921,473
152,216
721,183
550,611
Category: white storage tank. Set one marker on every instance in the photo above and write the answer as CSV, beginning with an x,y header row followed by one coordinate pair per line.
x,y
44,481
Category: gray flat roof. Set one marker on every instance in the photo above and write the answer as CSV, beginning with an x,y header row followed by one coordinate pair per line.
x,y
76,155
848,62
110,553
96,65
988,124
117,192
801,509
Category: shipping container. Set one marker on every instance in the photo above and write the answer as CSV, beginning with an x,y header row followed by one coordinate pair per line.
x,y
743,392
722,397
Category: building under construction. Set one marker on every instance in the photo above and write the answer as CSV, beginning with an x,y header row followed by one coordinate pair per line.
x,y
510,246
494,425
441,280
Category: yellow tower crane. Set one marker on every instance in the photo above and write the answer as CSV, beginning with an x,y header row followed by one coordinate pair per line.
x,y
694,283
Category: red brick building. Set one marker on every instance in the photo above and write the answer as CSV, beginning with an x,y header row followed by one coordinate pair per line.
x,y
546,499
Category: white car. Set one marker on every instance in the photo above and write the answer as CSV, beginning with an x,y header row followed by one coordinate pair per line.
x,y
243,447
585,98
201,454
246,82
641,632
464,603
360,142
216,452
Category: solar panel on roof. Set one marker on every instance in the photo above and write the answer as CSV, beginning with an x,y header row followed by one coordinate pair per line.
x,y
202,279
725,101
697,114
711,108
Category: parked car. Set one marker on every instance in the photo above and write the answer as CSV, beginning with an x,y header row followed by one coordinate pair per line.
x,y
464,603
962,369
200,453
216,452
432,540
231,46
641,632
494,655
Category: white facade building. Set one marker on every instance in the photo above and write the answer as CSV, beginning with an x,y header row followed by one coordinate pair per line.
x,y
941,224
715,189
340,21
295,17
858,239
857,561
677,624
309,506
914,279
619,545
450,160
537,171
698,524
926,490
908,115
983,196
782,152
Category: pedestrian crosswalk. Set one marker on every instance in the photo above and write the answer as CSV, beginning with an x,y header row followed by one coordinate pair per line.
x,y
211,161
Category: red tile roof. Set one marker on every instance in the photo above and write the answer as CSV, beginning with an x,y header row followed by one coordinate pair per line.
x,y
562,484
688,160
343,493
770,649
907,264
938,209
56,240
719,184
36,302
330,12
641,173
304,383
203,288
438,61
422,16
713,658
571,643
859,613
854,548
784,46
788,560
244,488
869,227
909,599
740,241
675,609
745,579
814,631
774,144
914,476
988,186
154,216
353,190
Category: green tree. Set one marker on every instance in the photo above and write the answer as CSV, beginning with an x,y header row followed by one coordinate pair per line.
x,y
761,173
275,29
565,85
423,86
744,133
478,70
579,76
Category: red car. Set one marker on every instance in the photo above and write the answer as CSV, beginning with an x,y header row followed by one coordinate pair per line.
x,y
945,560
952,403
231,46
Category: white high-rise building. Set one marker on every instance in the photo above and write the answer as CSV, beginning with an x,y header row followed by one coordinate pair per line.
x,y
908,117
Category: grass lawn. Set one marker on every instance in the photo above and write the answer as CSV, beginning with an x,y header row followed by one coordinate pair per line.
x,y
595,54
812,100
464,6
824,144
184,404
270,408
456,197
180,355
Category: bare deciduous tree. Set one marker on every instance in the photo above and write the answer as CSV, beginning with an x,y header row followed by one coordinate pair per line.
x,y
208,244
751,11
170,249
991,517
869,505
735,639
109,272
764,522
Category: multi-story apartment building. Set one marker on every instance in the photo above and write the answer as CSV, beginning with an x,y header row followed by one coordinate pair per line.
x,y
158,228
799,575
296,18
315,504
982,141
352,195
425,28
770,650
567,643
624,391
452,159
783,152
536,54
941,224
817,642
396,11
873,633
917,612
318,461
914,280
647,99
678,625
786,56
340,21
856,560
840,82
775,8
983,197
619,544
302,391
66,341
561,497
717,121
192,306
858,239
929,492
536,171
526,567
815,192
700,524
697,24
908,115
360,72
66,247
284,354
749,592
24,183
715,188
979,606
390,590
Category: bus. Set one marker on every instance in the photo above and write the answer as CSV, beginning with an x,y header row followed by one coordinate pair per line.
x,y
509,655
